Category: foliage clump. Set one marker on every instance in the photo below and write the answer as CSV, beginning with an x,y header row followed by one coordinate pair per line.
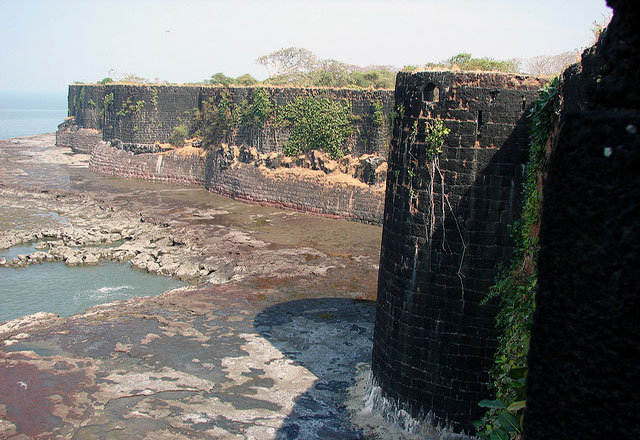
x,y
317,123
301,67
129,107
464,61
256,111
515,287
435,134
378,117
214,122
220,79
179,134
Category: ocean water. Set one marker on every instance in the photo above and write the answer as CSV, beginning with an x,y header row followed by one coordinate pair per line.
x,y
57,288
29,113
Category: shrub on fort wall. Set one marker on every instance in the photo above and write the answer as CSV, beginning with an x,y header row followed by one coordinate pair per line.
x,y
317,123
178,135
214,122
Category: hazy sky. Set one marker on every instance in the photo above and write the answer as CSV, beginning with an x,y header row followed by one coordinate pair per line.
x,y
47,44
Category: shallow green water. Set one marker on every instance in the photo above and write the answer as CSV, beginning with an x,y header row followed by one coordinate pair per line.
x,y
57,288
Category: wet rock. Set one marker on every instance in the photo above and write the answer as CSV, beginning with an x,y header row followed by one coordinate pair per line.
x,y
72,259
39,256
247,155
188,271
20,324
91,259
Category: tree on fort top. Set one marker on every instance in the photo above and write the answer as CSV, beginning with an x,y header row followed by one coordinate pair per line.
x,y
288,61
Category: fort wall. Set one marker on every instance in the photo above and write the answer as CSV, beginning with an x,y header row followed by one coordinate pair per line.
x,y
124,127
445,232
140,116
584,350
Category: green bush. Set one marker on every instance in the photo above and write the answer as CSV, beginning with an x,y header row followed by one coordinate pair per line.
x,y
317,123
214,122
178,135
255,112
435,134
245,80
377,79
464,61
220,79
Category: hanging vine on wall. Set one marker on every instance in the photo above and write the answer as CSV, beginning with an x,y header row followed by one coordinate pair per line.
x,y
129,107
435,133
378,118
516,285
255,112
154,98
107,103
214,122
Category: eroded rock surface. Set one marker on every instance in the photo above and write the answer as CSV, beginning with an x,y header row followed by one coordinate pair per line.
x,y
263,345
95,231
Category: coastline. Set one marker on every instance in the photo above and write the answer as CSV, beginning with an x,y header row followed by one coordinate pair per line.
x,y
239,353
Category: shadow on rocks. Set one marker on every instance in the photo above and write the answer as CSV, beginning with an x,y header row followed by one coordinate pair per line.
x,y
329,337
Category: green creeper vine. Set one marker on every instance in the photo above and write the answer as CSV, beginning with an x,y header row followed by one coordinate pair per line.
x,y
154,98
107,101
129,107
316,123
215,121
378,116
516,285
255,112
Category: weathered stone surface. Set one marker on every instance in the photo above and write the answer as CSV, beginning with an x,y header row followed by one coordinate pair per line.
x,y
80,140
584,352
444,234
142,116
208,364
238,356
310,184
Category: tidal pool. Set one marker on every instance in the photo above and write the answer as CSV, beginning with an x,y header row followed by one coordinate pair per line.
x,y
64,290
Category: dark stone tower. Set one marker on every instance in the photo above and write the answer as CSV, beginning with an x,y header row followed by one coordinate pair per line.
x,y
584,362
445,231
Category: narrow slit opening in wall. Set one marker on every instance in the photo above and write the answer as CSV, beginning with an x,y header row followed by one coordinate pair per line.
x,y
524,103
479,122
430,93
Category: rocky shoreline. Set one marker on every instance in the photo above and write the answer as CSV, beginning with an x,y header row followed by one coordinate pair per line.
x,y
99,233
264,343
96,231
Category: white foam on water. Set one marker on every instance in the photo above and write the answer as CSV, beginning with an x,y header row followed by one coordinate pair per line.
x,y
105,293
383,418
112,289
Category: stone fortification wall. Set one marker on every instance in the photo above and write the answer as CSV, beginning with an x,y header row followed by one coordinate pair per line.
x,y
80,140
135,119
584,352
307,189
444,234
168,166
225,171
141,115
